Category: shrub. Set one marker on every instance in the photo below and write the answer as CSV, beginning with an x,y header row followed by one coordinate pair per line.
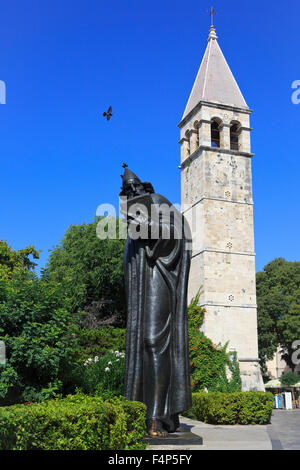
x,y
211,366
97,341
39,338
288,379
104,375
232,408
77,422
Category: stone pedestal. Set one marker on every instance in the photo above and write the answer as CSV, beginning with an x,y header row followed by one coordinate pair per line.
x,y
181,439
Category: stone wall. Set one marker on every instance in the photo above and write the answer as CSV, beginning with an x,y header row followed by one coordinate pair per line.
x,y
216,196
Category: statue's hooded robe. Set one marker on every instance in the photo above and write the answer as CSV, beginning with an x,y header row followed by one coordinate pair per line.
x,y
157,360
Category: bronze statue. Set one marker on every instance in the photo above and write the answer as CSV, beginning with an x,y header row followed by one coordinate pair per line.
x,y
156,264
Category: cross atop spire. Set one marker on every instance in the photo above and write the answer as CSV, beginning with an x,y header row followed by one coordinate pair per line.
x,y
212,31
212,12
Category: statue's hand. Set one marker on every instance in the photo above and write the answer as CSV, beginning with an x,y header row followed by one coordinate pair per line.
x,y
139,218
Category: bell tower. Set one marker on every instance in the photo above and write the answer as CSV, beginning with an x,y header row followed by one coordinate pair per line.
x,y
216,198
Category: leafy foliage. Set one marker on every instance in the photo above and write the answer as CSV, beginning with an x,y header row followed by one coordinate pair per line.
x,y
289,379
12,261
97,341
77,422
232,408
278,300
89,270
38,336
104,375
211,366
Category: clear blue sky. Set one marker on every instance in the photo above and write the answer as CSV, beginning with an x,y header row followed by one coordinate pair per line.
x,y
65,61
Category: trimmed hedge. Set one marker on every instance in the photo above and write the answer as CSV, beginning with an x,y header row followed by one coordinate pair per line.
x,y
232,408
77,422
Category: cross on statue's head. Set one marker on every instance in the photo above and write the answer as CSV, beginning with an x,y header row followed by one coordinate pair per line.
x,y
212,12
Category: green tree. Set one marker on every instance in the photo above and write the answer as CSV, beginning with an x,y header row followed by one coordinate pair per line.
x,y
278,300
90,274
12,260
37,333
289,379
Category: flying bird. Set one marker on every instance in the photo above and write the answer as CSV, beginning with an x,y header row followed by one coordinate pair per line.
x,y
108,113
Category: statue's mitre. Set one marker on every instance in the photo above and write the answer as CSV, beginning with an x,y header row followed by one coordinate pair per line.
x,y
129,176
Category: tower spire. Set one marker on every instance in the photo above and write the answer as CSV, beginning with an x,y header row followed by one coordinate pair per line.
x,y
214,81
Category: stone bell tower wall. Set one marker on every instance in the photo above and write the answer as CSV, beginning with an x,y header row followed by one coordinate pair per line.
x,y
216,195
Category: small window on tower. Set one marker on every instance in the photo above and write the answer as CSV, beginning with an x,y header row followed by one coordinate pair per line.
x,y
215,134
234,136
